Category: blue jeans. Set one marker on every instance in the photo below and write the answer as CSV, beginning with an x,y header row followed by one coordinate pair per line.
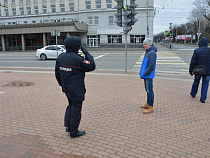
x,y
204,88
148,83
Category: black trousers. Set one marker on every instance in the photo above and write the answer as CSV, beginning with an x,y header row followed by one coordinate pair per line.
x,y
73,116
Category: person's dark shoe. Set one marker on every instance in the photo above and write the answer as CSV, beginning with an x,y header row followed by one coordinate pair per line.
x,y
67,129
202,101
79,133
192,95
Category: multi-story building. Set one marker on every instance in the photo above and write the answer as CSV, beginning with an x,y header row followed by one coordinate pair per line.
x,y
28,24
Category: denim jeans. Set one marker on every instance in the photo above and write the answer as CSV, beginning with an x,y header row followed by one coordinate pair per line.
x,y
204,88
148,83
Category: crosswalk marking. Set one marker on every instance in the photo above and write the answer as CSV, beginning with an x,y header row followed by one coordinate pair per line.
x,y
167,62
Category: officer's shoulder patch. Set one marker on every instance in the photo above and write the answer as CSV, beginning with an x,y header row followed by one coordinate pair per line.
x,y
86,61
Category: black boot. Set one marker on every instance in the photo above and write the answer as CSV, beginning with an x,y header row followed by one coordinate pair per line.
x,y
67,129
79,133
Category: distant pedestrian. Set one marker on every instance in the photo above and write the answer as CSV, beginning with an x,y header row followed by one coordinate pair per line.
x,y
200,58
147,73
70,73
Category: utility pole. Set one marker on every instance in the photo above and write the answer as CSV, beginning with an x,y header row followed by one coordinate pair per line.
x,y
170,32
147,20
199,29
128,20
184,34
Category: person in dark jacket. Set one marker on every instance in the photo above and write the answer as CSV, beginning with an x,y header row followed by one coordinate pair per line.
x,y
70,71
200,58
147,73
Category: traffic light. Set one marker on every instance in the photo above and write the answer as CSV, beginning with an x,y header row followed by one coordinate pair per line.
x,y
170,34
127,20
118,16
133,5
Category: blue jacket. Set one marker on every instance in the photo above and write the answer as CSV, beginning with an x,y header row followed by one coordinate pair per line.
x,y
70,69
200,55
149,63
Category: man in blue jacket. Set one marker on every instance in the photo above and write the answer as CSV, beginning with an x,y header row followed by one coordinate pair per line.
x,y
200,58
70,73
147,73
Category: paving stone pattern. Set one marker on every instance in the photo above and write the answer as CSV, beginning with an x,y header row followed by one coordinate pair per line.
x,y
31,118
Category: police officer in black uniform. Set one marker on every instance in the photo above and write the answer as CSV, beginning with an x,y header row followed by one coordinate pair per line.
x,y
70,73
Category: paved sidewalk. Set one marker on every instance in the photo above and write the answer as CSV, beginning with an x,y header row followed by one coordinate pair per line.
x,y
32,108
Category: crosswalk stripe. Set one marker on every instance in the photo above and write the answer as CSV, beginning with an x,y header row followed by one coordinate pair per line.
x,y
167,62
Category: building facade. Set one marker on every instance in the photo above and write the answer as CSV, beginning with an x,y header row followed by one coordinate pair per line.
x,y
28,24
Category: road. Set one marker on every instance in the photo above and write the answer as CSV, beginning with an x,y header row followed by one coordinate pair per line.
x,y
169,61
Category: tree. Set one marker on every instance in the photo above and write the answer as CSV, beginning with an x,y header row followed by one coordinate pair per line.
x,y
200,18
203,6
159,37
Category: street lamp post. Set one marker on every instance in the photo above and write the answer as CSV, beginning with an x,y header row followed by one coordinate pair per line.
x,y
170,32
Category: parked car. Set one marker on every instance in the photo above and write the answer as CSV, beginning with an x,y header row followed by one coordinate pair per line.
x,y
50,52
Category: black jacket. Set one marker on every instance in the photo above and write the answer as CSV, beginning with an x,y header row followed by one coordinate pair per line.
x,y
200,55
70,69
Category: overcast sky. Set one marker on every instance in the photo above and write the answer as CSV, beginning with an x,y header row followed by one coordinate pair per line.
x,y
171,11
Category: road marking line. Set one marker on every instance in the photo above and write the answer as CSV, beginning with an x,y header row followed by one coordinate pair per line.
x,y
166,60
101,56
185,49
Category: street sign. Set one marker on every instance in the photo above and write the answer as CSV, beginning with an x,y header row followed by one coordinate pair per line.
x,y
58,32
166,32
53,32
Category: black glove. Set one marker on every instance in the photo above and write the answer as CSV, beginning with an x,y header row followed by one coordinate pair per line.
x,y
191,73
84,50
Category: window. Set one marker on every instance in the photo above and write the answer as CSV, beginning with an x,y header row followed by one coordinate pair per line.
x,y
90,20
98,4
21,0
114,38
96,18
111,19
6,12
5,1
33,22
13,23
25,22
53,8
62,7
88,4
50,48
137,38
36,10
29,10
21,11
44,9
9,23
13,11
0,13
13,1
109,4
47,21
71,5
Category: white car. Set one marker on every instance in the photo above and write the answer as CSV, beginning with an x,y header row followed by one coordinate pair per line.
x,y
50,52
